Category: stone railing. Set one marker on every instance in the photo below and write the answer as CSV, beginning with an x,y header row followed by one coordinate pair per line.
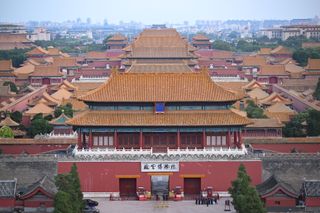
x,y
211,151
52,135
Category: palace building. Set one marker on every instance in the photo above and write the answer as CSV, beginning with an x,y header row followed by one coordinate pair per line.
x,y
159,125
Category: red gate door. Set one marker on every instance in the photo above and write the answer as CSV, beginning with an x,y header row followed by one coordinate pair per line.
x,y
192,186
128,187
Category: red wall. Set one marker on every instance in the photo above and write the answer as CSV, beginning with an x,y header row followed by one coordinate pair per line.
x,y
7,202
30,148
284,202
287,147
101,176
313,201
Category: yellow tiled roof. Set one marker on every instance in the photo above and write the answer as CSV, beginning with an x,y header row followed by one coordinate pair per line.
x,y
313,64
257,93
170,118
39,108
159,87
146,68
8,122
275,98
6,65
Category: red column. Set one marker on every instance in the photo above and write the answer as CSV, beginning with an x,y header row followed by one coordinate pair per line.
x,y
235,139
90,140
203,138
79,139
141,139
178,138
228,138
115,139
240,139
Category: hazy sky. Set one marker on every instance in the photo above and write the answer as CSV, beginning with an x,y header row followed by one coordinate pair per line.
x,y
160,11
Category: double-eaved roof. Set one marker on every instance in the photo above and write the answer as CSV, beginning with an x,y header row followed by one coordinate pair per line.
x,y
149,118
160,87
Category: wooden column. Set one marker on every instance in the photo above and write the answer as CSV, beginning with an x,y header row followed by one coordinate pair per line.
x,y
90,139
79,139
228,138
115,139
203,138
240,139
141,139
178,138
235,138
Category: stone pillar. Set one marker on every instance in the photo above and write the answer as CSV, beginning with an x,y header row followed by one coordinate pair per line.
x,y
178,139
141,139
228,138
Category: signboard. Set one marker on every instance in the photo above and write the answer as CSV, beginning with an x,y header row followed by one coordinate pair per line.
x,y
159,166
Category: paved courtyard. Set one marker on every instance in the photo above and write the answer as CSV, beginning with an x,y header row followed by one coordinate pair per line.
x,y
107,206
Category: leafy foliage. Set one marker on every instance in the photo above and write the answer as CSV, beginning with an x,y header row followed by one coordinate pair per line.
x,y
316,93
245,197
222,45
253,111
17,56
295,128
301,55
16,116
313,123
69,184
39,125
6,132
13,87
66,109
62,201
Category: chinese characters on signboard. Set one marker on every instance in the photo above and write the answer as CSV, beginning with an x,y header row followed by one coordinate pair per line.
x,y
160,167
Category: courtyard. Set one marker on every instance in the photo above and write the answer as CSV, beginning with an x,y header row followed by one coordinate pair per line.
x,y
189,206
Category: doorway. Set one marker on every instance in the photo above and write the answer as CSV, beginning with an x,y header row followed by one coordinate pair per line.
x,y
192,187
160,185
128,187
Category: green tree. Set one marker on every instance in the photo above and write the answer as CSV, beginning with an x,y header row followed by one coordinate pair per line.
x,y
316,94
39,125
301,55
66,109
6,132
313,123
70,184
62,201
253,111
16,116
245,46
245,197
17,56
222,45
13,87
295,128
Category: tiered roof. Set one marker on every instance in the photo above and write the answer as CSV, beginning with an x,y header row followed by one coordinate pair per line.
x,y
8,122
272,185
273,70
151,68
257,93
37,51
39,108
59,121
6,65
265,123
280,111
254,61
252,85
159,87
275,98
61,94
159,43
265,51
24,71
313,64
65,62
46,71
170,118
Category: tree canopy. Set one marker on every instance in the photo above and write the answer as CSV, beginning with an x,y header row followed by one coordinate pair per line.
x,y
295,128
39,125
301,55
253,111
6,132
313,123
16,116
66,109
17,56
69,187
13,87
245,197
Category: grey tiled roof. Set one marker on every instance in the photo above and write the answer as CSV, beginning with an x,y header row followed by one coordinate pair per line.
x,y
312,188
7,188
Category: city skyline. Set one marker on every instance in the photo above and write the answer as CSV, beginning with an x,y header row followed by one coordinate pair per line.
x,y
156,13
